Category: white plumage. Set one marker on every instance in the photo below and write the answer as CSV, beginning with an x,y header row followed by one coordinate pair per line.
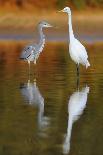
x,y
78,53
76,49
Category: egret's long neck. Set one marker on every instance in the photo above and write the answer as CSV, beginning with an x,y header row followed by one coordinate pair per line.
x,y
70,26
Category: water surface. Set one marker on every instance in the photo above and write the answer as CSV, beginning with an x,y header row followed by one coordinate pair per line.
x,y
47,113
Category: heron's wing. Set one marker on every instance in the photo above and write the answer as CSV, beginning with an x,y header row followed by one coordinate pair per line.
x,y
27,51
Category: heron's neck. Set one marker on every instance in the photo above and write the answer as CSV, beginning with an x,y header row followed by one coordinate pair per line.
x,y
42,37
70,26
41,33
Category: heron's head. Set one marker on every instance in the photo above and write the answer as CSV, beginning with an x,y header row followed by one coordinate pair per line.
x,y
66,10
45,24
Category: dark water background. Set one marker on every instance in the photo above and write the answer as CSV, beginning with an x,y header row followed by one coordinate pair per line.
x,y
36,111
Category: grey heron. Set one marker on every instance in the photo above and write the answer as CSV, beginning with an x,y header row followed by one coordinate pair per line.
x,y
32,52
76,106
76,49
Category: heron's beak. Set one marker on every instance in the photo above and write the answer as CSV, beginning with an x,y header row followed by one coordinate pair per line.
x,y
50,25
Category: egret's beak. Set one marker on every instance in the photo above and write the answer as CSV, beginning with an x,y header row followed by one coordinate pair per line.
x,y
60,11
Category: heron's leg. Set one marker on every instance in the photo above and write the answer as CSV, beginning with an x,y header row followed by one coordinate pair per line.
x,y
35,62
35,68
29,75
29,68
34,80
28,82
77,65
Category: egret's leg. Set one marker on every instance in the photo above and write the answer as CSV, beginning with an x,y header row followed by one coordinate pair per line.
x,y
77,69
77,83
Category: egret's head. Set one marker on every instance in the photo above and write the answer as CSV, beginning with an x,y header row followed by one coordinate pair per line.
x,y
66,10
44,24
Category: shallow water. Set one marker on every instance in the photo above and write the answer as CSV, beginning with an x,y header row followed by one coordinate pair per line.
x,y
47,113
57,37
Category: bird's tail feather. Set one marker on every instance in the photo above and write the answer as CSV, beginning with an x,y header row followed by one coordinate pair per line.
x,y
87,64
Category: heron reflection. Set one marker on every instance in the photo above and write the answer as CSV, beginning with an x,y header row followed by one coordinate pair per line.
x,y
32,95
76,105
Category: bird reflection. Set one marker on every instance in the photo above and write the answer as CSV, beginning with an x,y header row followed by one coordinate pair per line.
x,y
76,105
32,95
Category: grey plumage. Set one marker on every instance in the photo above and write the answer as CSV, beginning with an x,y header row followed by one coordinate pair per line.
x,y
32,52
28,53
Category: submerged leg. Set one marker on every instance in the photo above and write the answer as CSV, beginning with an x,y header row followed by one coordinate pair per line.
x,y
35,62
34,81
28,82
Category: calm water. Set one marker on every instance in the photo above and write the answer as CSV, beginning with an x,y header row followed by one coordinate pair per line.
x,y
46,114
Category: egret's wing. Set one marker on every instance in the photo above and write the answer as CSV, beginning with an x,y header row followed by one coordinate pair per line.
x,y
82,49
81,52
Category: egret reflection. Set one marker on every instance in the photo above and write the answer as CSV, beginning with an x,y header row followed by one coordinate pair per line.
x,y
33,97
76,105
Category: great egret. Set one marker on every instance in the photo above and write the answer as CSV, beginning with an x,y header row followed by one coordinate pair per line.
x,y
32,52
77,50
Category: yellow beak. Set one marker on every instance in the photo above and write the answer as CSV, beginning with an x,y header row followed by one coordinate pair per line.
x,y
60,11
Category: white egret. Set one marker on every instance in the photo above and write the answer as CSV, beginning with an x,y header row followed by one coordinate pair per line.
x,y
76,49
